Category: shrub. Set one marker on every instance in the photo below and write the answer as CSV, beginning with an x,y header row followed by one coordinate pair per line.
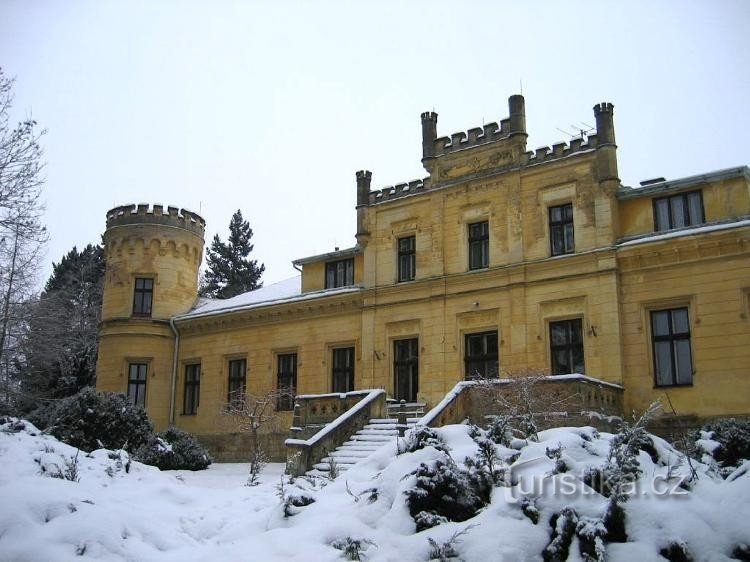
x,y
420,437
90,420
733,437
174,449
444,492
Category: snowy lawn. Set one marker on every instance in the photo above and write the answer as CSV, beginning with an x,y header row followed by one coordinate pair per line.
x,y
112,513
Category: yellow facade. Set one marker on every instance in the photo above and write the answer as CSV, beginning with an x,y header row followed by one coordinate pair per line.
x,y
612,275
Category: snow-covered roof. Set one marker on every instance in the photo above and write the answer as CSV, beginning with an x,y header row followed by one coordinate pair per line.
x,y
627,192
288,290
690,231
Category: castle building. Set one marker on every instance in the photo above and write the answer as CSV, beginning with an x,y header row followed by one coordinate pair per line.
x,y
501,260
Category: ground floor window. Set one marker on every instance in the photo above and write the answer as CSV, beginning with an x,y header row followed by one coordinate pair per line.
x,y
480,356
137,383
343,369
192,388
286,381
670,338
406,369
566,346
237,383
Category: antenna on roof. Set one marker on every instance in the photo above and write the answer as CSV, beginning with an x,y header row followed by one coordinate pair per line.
x,y
577,131
520,84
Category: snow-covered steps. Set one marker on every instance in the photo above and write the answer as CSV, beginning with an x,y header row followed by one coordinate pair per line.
x,y
374,435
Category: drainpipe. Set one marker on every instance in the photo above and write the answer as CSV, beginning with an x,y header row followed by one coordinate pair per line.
x,y
294,265
174,369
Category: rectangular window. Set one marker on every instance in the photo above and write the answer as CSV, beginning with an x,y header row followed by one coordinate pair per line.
x,y
286,381
343,369
480,356
137,383
566,346
407,258
192,389
678,211
237,382
561,237
406,369
479,245
339,273
670,338
143,296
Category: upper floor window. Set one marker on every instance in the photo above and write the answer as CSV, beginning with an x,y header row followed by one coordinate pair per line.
x,y
287,381
670,338
192,389
407,258
480,356
339,273
561,238
343,369
479,245
137,383
678,211
237,383
566,346
143,296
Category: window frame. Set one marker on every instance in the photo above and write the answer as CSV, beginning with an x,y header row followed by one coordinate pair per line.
x,y
343,373
410,365
569,346
191,389
671,338
333,274
485,357
685,196
480,240
406,258
139,294
561,224
287,390
236,383
137,383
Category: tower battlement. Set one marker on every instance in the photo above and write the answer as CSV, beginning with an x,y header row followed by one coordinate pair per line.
x,y
145,213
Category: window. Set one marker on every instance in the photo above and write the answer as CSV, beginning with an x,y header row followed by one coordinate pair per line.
x,y
479,245
561,238
237,382
407,258
480,356
566,346
286,381
192,389
670,337
339,273
137,383
678,211
406,369
143,296
343,369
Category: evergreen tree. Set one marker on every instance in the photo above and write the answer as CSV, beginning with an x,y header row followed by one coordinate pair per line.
x,y
230,272
59,348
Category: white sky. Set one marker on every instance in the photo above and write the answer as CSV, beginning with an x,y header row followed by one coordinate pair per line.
x,y
271,107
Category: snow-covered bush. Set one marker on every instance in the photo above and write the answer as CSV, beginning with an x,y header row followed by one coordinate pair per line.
x,y
173,449
420,437
443,552
727,442
91,420
563,530
444,492
353,549
500,430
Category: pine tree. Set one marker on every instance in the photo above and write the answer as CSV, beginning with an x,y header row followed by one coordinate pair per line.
x,y
230,272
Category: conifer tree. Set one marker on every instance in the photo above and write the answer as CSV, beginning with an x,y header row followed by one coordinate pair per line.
x,y
230,272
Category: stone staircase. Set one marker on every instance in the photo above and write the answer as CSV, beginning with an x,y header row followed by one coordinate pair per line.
x,y
376,434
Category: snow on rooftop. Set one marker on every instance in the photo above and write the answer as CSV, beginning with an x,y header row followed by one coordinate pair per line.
x,y
288,290
686,232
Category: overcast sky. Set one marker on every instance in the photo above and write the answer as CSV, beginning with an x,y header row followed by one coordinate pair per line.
x,y
271,107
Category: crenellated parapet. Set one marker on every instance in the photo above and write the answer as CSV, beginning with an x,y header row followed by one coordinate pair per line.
x,y
397,191
559,150
126,215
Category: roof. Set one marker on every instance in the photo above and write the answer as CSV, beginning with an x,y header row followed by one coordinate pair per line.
x,y
336,255
626,192
286,291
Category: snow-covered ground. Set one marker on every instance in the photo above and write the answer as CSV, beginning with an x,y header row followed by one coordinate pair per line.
x,y
145,514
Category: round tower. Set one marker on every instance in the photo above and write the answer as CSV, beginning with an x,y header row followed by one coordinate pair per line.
x,y
152,259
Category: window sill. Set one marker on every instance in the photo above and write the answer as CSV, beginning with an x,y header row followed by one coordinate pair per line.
x,y
683,385
189,414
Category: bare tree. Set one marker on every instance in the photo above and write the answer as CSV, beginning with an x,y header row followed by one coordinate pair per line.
x,y
250,413
22,234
